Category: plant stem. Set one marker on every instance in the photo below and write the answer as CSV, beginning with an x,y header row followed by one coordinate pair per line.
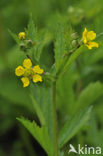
x,y
56,151
72,58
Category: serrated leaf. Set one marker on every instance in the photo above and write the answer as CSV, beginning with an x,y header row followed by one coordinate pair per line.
x,y
60,46
31,32
73,126
39,133
43,97
39,39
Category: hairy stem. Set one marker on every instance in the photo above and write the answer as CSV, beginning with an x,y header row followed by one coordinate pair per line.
x,y
70,59
55,121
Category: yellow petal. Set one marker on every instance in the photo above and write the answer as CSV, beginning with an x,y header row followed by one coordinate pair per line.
x,y
90,45
27,63
37,78
85,35
91,35
19,71
25,81
22,35
37,70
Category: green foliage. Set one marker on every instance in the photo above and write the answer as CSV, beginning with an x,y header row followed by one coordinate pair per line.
x,y
39,133
39,39
31,31
72,58
45,104
66,94
72,126
14,36
78,73
60,47
21,97
38,111
89,95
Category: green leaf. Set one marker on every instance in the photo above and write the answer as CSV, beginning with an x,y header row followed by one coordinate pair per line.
x,y
39,39
89,95
72,126
38,111
60,47
42,39
14,36
43,97
94,131
71,59
39,133
31,32
97,55
66,95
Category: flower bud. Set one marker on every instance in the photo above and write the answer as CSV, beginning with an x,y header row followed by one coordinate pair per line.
x,y
22,47
22,35
29,43
74,43
74,36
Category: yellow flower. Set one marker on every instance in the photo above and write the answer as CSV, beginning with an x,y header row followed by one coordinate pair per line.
x,y
88,37
22,35
29,72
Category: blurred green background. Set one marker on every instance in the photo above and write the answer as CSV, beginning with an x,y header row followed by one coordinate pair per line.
x,y
84,73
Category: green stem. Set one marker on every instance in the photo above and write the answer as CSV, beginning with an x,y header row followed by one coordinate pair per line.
x,y
55,121
72,58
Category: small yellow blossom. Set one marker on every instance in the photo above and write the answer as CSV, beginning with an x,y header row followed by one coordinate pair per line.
x,y
88,37
25,81
38,70
22,35
19,71
27,63
29,72
37,78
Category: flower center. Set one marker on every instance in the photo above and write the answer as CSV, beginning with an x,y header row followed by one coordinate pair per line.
x,y
28,72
